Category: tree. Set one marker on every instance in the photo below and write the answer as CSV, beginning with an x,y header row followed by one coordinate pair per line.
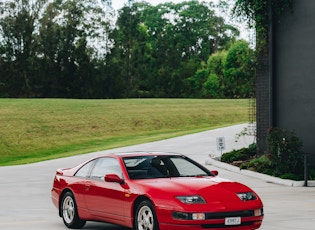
x,y
209,82
228,74
211,88
216,79
131,51
65,48
47,47
18,24
239,71
182,36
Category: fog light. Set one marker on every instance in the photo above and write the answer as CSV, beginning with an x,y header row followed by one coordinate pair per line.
x,y
198,216
181,216
258,212
188,216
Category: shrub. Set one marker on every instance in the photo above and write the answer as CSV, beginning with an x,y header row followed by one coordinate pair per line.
x,y
291,176
311,174
240,154
285,150
284,159
260,164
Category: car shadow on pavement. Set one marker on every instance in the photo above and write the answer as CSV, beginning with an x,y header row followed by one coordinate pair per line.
x,y
103,226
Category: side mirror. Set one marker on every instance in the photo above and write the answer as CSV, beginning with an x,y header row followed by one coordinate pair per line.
x,y
215,172
113,178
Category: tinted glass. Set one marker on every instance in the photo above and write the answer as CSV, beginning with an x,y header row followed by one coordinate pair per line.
x,y
105,166
186,168
143,167
85,169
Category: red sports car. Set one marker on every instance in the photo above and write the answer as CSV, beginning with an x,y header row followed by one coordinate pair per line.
x,y
153,191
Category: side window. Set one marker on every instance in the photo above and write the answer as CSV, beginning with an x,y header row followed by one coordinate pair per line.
x,y
105,166
85,169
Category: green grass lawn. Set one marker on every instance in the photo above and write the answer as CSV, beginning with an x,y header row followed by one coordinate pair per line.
x,y
33,130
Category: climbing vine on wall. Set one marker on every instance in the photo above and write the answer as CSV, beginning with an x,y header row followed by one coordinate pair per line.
x,y
257,12
260,15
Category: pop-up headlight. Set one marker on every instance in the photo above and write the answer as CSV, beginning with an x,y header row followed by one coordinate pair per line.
x,y
191,199
245,196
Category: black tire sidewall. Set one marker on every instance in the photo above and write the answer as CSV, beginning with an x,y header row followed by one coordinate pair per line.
x,y
76,223
150,205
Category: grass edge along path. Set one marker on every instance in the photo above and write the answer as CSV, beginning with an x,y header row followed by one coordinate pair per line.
x,y
34,130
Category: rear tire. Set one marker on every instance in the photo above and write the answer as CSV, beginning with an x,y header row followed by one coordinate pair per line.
x,y
145,217
69,212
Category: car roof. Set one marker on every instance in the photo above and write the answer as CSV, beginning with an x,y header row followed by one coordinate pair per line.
x,y
144,153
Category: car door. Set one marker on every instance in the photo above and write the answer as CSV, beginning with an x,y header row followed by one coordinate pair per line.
x,y
105,199
79,183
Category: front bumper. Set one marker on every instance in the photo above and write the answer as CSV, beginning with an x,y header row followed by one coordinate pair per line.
x,y
246,224
249,220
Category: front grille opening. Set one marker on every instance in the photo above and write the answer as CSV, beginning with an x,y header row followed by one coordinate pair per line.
x,y
220,215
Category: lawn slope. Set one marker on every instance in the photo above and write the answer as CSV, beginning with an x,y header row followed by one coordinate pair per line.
x,y
39,129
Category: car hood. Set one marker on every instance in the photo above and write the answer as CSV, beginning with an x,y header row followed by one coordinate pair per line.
x,y
192,185
218,192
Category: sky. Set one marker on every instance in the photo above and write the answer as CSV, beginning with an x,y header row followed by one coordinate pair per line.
x,y
245,33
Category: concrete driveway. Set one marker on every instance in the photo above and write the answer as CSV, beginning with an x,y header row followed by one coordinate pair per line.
x,y
25,190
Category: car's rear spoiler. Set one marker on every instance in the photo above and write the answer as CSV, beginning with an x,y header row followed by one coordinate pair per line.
x,y
61,171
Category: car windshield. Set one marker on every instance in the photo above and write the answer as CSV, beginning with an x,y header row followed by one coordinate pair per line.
x,y
143,167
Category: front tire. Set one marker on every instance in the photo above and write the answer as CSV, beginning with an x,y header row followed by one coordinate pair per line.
x,y
69,212
145,218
